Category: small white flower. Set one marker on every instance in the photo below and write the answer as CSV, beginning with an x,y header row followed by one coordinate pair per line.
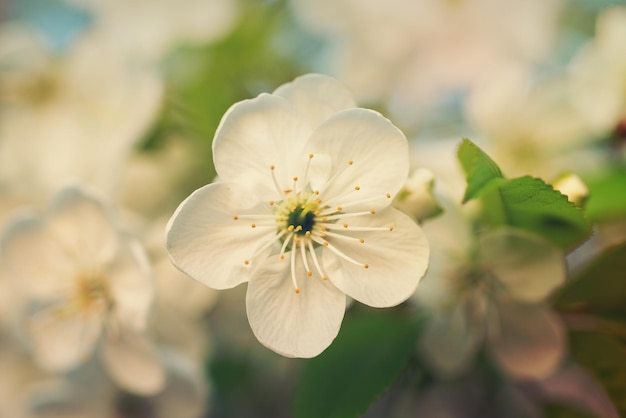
x,y
302,212
416,198
82,282
499,300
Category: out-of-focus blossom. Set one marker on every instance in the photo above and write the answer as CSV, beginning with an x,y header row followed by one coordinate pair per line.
x,y
573,187
302,213
75,114
84,284
529,126
494,296
599,75
413,52
150,28
88,393
416,197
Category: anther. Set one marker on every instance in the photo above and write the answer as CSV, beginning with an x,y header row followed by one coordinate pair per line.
x,y
316,192
361,240
253,225
324,278
291,228
272,167
357,188
388,196
350,162
373,212
345,225
297,290
295,178
311,155
325,243
339,208
366,266
246,262
308,233
297,240
298,228
272,203
391,228
235,217
309,273
282,256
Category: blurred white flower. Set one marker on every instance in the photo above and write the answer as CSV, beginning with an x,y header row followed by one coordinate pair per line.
x,y
496,298
75,114
302,213
573,187
416,197
599,74
83,282
412,53
150,28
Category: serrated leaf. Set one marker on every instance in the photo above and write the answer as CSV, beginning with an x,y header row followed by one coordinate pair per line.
x,y
600,288
605,358
479,169
531,204
368,354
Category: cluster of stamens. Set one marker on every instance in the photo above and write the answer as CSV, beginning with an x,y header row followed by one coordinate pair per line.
x,y
92,294
302,222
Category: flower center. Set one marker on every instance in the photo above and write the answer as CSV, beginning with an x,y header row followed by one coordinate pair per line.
x,y
304,224
302,218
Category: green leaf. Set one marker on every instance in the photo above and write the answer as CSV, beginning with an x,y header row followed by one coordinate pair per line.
x,y
607,196
370,351
605,357
600,288
531,204
479,169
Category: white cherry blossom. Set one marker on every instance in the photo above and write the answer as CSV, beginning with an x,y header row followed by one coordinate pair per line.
x,y
302,212
85,285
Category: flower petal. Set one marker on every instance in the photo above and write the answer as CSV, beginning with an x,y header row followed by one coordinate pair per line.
x,y
529,266
61,342
293,324
207,243
449,342
133,362
259,133
81,223
131,285
35,260
369,156
396,259
317,97
527,341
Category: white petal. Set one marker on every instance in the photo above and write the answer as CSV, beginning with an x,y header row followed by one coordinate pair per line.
x,y
256,134
317,97
205,241
449,342
82,225
131,284
61,342
377,150
527,341
293,324
396,259
529,266
133,362
35,260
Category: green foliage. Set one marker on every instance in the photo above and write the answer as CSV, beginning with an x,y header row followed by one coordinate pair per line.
x,y
523,202
600,288
370,351
531,204
605,357
479,169
607,196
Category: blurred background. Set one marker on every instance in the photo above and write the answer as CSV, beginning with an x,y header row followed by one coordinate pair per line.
x,y
124,96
